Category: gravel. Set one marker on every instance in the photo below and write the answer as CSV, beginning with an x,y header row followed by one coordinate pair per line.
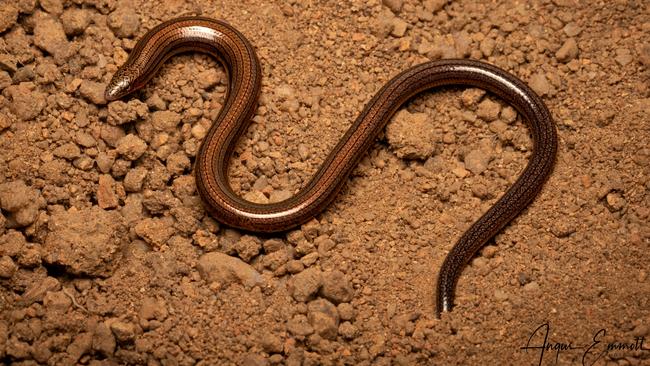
x,y
109,256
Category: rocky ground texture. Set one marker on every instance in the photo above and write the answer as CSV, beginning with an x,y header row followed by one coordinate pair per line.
x,y
108,257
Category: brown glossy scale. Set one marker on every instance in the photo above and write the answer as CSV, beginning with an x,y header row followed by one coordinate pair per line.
x,y
222,41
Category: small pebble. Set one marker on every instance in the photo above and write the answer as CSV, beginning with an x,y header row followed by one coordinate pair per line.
x,y
501,295
477,161
208,79
295,266
568,51
103,339
248,247
7,267
540,84
85,139
305,284
93,91
523,278
165,120
67,151
346,311
398,27
57,301
54,7
471,96
155,231
324,318
8,16
26,103
336,287
224,270
623,56
563,228
488,110
271,343
411,135
123,331
348,331
124,21
309,259
75,21
50,36
489,251
272,245
324,244
131,147
531,287
106,196
394,5
615,201
572,29
299,326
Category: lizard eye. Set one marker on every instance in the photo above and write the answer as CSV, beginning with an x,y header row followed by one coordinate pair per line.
x,y
119,86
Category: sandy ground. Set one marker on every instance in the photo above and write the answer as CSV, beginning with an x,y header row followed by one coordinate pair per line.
x,y
107,256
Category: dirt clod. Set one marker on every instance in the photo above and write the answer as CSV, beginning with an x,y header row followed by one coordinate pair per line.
x,y
85,242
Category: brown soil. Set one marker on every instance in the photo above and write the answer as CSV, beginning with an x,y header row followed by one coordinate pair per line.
x,y
107,256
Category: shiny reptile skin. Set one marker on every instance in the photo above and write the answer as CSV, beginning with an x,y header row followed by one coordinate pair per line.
x,y
235,52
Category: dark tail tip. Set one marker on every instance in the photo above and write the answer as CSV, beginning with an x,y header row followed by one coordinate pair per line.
x,y
443,305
